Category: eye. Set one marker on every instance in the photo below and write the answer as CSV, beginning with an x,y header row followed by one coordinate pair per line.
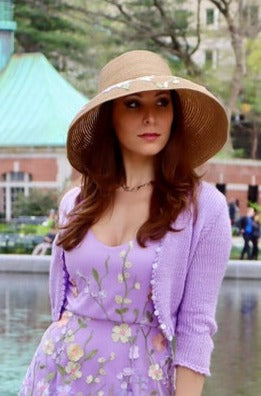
x,y
132,103
163,102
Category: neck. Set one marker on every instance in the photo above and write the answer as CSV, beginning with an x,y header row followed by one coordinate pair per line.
x,y
138,170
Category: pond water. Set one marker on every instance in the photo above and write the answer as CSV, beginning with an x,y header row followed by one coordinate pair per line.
x,y
236,361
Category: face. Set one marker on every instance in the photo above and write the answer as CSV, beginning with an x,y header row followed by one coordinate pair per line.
x,y
142,122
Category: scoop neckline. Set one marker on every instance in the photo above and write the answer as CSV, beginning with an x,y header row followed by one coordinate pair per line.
x,y
90,231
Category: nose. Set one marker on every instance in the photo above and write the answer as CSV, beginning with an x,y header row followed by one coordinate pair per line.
x,y
149,116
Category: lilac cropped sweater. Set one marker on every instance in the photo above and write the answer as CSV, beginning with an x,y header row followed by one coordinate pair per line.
x,y
186,281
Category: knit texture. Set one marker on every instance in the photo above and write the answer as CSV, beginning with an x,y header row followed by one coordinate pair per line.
x,y
186,282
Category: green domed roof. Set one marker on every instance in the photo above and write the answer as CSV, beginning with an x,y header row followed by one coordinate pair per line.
x,y
36,103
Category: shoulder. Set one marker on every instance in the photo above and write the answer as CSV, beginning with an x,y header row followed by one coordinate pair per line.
x,y
211,203
69,197
67,203
209,198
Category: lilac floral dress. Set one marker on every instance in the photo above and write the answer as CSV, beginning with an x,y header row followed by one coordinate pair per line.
x,y
108,340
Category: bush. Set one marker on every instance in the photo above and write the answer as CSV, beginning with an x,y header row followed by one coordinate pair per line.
x,y
39,203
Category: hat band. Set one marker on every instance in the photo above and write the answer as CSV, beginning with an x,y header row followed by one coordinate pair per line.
x,y
127,83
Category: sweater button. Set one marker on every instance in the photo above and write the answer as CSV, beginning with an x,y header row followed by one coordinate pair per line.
x,y
152,282
156,312
158,249
155,265
163,326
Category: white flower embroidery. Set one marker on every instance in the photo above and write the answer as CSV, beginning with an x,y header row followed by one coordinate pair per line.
x,y
74,370
112,356
102,294
89,379
48,347
127,371
118,299
137,286
122,254
101,359
121,333
120,278
124,385
74,352
127,300
126,275
134,352
131,244
155,372
128,264
102,371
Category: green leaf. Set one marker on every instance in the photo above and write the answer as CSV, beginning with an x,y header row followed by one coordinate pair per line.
x,y
91,354
106,265
81,323
61,369
136,312
95,275
49,377
121,311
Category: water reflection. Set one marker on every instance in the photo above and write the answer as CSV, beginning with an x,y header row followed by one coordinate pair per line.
x,y
236,362
24,309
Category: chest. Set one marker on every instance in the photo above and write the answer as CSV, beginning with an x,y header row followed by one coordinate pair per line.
x,y
122,222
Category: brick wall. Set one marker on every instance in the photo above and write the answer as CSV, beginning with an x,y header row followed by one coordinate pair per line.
x,y
237,175
41,169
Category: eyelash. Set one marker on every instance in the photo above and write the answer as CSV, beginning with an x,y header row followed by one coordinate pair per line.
x,y
134,103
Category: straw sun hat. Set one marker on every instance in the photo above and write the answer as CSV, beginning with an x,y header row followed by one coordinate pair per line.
x,y
205,121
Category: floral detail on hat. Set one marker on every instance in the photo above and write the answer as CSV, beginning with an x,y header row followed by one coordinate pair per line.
x,y
123,84
145,78
162,85
175,80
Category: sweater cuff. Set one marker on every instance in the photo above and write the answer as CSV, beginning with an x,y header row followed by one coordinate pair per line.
x,y
194,352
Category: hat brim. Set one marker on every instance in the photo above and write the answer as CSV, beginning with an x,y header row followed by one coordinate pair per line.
x,y
205,121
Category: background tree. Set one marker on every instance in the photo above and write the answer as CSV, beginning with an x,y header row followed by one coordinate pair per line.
x,y
242,22
246,127
38,203
164,26
43,25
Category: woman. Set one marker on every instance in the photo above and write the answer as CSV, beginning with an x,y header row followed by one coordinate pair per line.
x,y
138,263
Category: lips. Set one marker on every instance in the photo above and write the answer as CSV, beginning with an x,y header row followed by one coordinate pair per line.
x,y
149,136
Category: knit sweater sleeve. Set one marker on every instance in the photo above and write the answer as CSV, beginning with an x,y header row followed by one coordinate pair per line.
x,y
196,323
58,276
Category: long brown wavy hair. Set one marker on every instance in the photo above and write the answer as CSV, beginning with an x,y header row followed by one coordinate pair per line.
x,y
174,187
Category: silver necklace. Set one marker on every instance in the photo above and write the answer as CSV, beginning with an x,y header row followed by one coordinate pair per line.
x,y
136,188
